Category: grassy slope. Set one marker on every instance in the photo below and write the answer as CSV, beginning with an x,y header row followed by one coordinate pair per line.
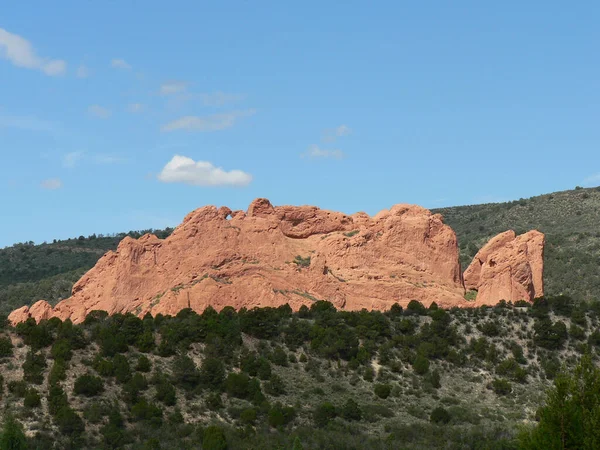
x,y
465,389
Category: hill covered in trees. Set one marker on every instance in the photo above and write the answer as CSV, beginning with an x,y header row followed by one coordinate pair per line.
x,y
274,379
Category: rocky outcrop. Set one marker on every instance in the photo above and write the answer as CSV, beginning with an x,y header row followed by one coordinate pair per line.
x,y
270,256
508,267
40,310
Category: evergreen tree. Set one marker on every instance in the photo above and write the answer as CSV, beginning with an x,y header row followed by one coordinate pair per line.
x,y
571,416
13,437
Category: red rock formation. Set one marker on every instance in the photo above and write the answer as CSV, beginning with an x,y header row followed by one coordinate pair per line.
x,y
508,268
40,310
222,258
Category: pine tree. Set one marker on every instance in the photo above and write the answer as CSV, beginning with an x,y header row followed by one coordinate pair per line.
x,y
13,437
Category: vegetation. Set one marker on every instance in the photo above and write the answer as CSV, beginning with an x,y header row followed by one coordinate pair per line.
x,y
420,377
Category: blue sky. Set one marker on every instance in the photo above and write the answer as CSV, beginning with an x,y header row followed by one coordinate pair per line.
x,y
120,115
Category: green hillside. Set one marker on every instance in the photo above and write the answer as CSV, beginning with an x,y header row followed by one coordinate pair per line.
x,y
570,220
269,378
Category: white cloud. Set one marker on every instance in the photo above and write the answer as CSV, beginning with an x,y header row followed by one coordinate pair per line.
x,y
220,98
20,52
51,184
29,123
342,130
107,159
99,111
71,159
119,63
332,134
314,151
82,71
592,180
173,87
136,108
185,170
214,122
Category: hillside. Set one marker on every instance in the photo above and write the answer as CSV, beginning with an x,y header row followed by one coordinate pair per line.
x,y
570,221
272,379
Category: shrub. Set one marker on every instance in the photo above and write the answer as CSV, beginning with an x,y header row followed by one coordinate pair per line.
x,y
576,332
58,372
165,393
185,373
214,401
302,262
6,347
145,342
435,379
61,350
134,386
212,373
351,411
33,367
12,437
32,399
510,368
548,335
57,400
237,384
382,390
149,412
248,416
104,367
440,416
17,388
501,386
275,386
489,328
323,414
68,421
420,365
143,364
122,368
279,357
214,439
415,308
280,415
88,385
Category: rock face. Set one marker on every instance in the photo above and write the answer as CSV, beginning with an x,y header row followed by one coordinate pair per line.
x,y
270,256
508,267
221,258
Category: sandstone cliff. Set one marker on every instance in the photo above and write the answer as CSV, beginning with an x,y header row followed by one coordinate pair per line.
x,y
508,267
270,256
